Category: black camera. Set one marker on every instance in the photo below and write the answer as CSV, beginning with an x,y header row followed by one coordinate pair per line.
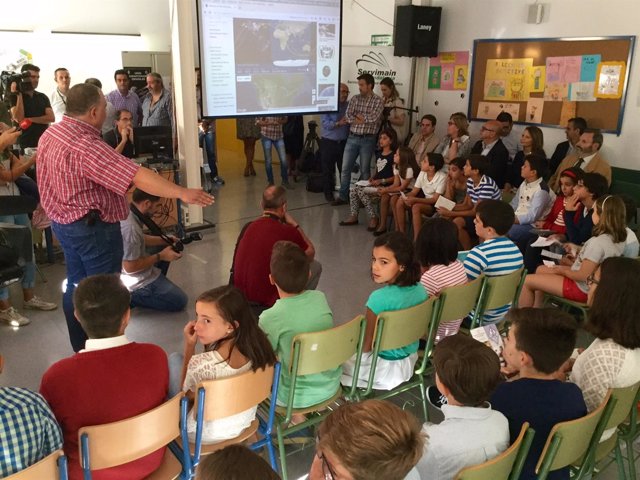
x,y
312,126
7,78
178,245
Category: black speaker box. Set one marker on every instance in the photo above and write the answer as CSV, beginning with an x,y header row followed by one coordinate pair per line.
x,y
417,31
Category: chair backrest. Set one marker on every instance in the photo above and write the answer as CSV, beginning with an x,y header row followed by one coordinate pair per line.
x,y
458,301
569,441
113,444
625,400
232,395
502,466
502,289
327,349
403,327
51,467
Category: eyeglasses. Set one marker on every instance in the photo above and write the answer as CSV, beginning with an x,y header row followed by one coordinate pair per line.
x,y
591,280
327,469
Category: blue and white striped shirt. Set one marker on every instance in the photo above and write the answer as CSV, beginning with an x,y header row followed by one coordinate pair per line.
x,y
28,430
493,257
487,189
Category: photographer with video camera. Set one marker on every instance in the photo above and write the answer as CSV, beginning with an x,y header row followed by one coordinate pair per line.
x,y
27,103
149,286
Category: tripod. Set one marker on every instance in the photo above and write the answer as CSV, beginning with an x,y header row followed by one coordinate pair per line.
x,y
310,149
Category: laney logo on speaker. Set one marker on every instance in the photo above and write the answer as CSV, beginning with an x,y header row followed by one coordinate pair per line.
x,y
375,64
424,27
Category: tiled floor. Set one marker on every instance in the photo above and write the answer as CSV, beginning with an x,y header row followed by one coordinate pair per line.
x,y
343,252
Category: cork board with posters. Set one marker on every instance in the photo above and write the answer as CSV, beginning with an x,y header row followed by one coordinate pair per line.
x,y
545,81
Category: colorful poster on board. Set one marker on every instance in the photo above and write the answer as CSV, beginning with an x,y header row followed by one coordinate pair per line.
x,y
610,79
452,68
490,110
535,107
512,74
537,79
572,69
589,67
435,74
582,92
568,111
556,91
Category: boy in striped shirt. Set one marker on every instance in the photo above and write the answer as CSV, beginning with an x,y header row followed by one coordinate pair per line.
x,y
496,255
479,187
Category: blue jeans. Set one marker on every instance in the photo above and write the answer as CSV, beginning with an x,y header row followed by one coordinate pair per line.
x,y
520,235
279,144
362,147
29,279
88,250
208,143
161,294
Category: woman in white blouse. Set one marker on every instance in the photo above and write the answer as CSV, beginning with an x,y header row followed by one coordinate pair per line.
x,y
613,359
456,142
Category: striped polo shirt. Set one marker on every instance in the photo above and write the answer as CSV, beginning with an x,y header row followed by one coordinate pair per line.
x,y
487,189
493,257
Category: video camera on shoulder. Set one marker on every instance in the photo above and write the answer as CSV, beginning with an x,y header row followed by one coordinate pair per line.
x,y
22,80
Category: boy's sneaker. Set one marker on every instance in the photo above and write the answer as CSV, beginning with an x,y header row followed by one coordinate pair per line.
x,y
435,398
36,303
11,317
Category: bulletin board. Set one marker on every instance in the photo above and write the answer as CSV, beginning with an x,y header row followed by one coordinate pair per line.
x,y
546,81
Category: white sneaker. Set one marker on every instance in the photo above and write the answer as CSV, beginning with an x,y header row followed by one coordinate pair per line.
x,y
11,317
36,303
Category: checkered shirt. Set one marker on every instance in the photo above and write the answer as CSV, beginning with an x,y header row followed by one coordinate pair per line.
x,y
370,107
272,131
77,172
131,103
28,430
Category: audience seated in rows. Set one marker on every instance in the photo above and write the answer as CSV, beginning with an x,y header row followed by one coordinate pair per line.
x,y
490,145
574,129
424,140
531,142
111,379
456,143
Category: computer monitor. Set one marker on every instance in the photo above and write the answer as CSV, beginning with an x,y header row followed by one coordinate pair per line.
x,y
156,141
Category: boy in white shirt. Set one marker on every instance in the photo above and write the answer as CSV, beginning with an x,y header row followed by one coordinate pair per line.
x,y
467,373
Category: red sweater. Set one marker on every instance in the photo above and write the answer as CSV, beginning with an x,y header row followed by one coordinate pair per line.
x,y
557,210
103,386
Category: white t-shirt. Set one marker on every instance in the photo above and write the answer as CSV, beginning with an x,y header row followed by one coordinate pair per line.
x,y
409,175
430,187
596,249
209,366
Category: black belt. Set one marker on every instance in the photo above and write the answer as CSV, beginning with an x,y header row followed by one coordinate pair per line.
x,y
363,135
334,141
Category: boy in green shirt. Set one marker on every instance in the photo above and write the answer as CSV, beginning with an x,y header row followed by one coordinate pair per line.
x,y
297,311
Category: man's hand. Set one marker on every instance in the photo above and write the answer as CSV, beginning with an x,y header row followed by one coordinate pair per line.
x,y
359,120
289,220
169,255
14,87
9,137
196,196
190,337
341,122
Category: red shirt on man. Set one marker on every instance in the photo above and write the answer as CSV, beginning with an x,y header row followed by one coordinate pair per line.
x,y
251,265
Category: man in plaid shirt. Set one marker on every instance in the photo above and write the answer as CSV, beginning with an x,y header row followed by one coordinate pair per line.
x,y
364,114
83,182
272,135
28,430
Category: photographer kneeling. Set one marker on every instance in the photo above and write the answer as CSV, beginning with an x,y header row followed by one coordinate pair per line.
x,y
148,286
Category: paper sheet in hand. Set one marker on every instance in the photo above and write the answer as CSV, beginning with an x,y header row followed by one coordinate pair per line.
x,y
490,336
370,190
550,254
549,263
543,242
362,183
445,203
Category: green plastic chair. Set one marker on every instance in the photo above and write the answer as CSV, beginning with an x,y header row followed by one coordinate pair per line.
x,y
575,441
498,291
625,403
317,352
398,329
628,432
566,305
455,302
506,466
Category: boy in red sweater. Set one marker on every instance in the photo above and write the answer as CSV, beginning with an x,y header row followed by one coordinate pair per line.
x,y
111,379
